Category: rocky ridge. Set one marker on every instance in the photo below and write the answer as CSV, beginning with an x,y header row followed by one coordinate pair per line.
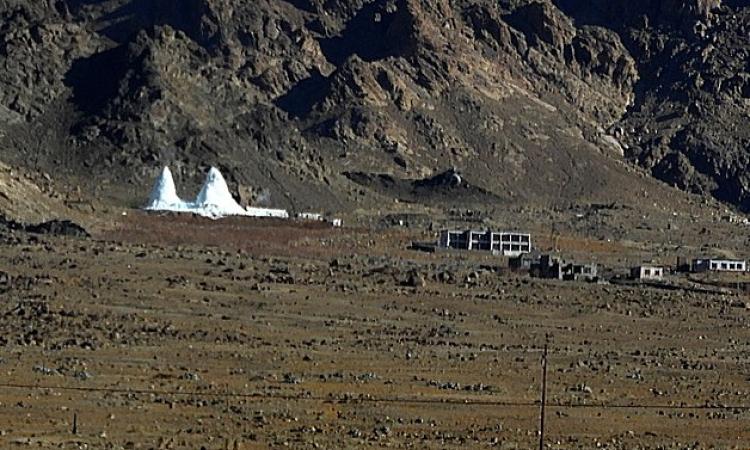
x,y
531,101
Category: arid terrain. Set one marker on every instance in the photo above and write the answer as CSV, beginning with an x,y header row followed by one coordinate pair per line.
x,y
531,100
613,131
165,331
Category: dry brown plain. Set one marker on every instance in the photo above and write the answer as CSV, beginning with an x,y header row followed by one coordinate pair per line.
x,y
172,332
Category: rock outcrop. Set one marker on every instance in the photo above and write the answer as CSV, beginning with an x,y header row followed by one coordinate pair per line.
x,y
530,100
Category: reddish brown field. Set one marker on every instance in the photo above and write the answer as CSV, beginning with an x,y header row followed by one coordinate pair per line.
x,y
178,332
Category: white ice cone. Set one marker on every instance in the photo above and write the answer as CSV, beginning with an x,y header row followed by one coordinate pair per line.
x,y
164,194
214,198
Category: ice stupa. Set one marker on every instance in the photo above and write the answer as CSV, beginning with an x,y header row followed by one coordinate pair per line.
x,y
214,198
164,194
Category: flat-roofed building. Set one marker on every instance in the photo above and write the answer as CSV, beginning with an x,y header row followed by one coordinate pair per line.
x,y
647,272
511,243
582,272
454,239
718,265
505,243
553,267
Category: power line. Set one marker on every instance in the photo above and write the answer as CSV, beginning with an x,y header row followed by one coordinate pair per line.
x,y
397,400
544,395
277,396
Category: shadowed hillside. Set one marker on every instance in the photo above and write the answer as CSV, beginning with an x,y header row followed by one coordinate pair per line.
x,y
549,102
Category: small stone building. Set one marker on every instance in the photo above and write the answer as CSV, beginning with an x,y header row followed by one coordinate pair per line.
x,y
523,263
552,267
647,273
582,272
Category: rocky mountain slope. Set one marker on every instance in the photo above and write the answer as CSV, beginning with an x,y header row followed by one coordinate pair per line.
x,y
24,200
312,103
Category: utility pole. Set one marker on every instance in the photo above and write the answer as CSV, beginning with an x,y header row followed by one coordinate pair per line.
x,y
544,394
738,284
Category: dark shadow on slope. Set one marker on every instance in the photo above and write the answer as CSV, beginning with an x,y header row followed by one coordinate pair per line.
x,y
54,227
75,6
445,188
377,31
193,17
301,98
95,79
59,228
619,14
661,70
304,5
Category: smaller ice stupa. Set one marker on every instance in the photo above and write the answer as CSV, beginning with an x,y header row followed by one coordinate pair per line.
x,y
214,198
164,194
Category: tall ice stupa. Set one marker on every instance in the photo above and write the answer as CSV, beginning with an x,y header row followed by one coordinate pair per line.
x,y
164,194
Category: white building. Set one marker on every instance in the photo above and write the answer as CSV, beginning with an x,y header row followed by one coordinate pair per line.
x,y
310,216
511,243
719,265
646,272
505,243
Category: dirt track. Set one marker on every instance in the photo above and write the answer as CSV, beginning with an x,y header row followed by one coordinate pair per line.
x,y
191,346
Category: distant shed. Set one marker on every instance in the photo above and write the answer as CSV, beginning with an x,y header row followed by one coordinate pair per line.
x,y
647,272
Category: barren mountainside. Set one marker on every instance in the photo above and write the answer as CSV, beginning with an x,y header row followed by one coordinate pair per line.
x,y
335,104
